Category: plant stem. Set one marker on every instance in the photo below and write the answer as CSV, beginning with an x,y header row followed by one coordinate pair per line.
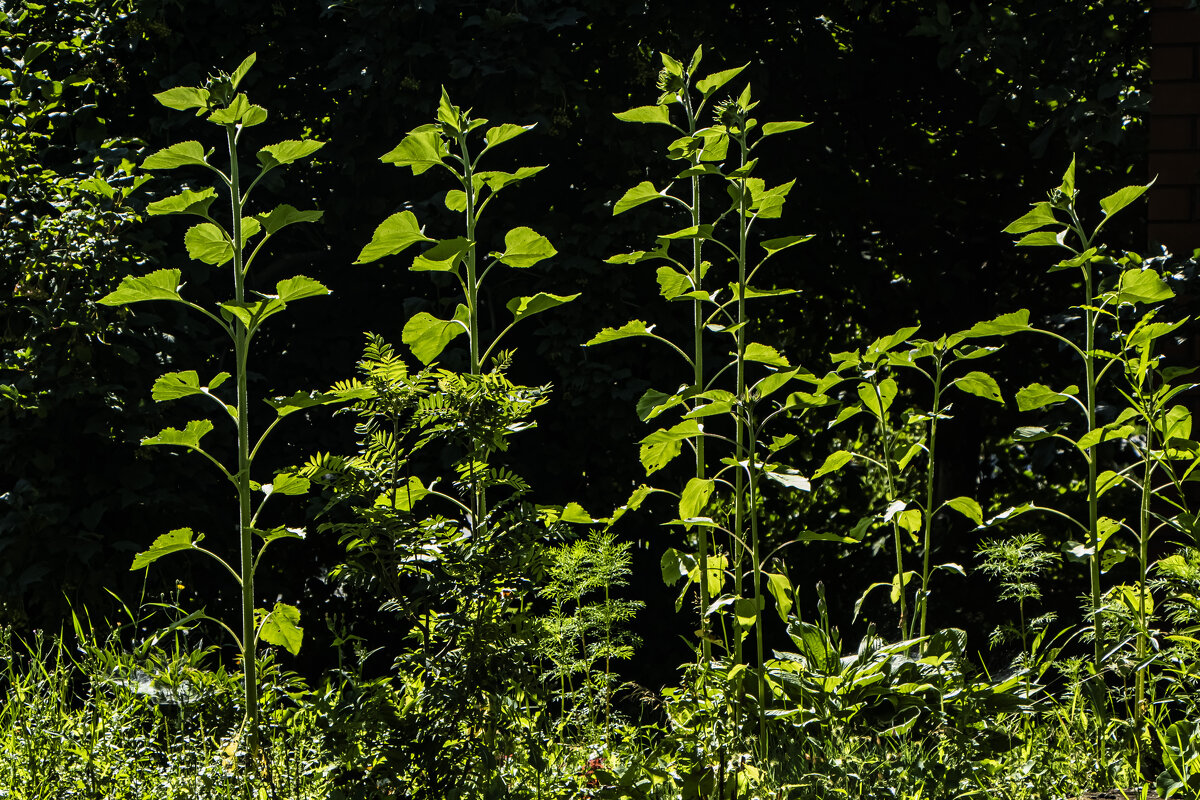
x,y
929,481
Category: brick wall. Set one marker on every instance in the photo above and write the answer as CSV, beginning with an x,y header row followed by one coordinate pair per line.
x,y
1174,214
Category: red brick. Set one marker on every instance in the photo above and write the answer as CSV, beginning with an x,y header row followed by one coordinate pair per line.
x,y
1172,133
1174,26
1171,203
1175,169
1175,98
1172,62
1178,237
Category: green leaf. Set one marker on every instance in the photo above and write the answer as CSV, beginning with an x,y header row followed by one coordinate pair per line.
x,y
403,498
649,114
233,113
968,507
676,565
1105,434
772,128
174,385
633,328
281,627
184,98
287,151
444,256
522,307
833,462
1037,395
394,234
773,246
160,285
284,215
1143,286
877,402
980,384
183,154
644,192
792,481
695,497
711,83
505,132
207,243
781,589
1039,239
420,150
186,202
694,232
524,247
253,313
673,283
242,69
1040,216
765,354
427,336
287,484
496,180
660,447
745,611
1121,198
177,540
653,402
189,437
909,520
1002,325
576,514
300,400
298,288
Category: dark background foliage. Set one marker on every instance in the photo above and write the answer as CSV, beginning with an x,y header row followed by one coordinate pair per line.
x,y
935,124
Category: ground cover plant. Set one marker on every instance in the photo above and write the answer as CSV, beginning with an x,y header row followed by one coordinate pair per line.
x,y
494,625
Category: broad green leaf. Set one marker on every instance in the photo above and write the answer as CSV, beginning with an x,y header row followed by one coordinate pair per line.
x,y
420,150
745,611
644,192
184,98
286,483
403,498
968,507
833,462
253,313
1143,286
660,447
753,293
694,232
174,385
695,497
524,247
772,128
1037,395
909,520
672,283
773,383
816,648
913,450
445,256
160,285
877,402
885,343
782,243
765,354
1176,425
653,402
232,113
576,514
651,114
781,589
1002,325
1121,198
279,532
791,481
189,437
284,215
301,400
980,384
1068,181
298,288
711,83
522,307
242,69
1108,480
427,336
496,180
1039,217
1039,239
287,151
394,234
502,133
1106,433
1032,433
281,627
207,243
633,328
456,200
676,565
186,202
1147,332
177,540
183,154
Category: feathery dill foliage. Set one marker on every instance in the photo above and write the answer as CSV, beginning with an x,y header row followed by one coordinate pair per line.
x,y
1018,563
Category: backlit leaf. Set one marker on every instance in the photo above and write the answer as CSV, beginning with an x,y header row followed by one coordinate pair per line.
x,y
184,98
1041,215
206,242
445,256
772,128
394,234
648,114
160,285
1037,395
524,247
427,336
284,215
281,627
522,307
186,202
660,447
791,481
980,384
781,589
1121,198
1002,325
644,192
765,354
420,150
633,328
505,132
833,462
298,288
189,437
287,151
695,497
176,541
182,154
968,507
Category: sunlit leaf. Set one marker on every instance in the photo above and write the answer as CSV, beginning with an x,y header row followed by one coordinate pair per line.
x,y
183,154
160,285
281,627
394,234
176,541
524,247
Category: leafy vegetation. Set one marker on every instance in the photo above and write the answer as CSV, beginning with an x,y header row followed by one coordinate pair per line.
x,y
487,633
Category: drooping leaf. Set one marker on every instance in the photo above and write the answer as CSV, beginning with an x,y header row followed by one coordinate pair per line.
x,y
878,402
186,202
1037,395
633,328
420,150
650,114
745,611
695,497
660,447
676,565
1040,239
833,462
189,437
427,336
184,98
968,507
672,283
176,541
782,243
980,384
183,154
394,234
285,152
160,285
207,243
522,307
284,215
524,247
281,627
